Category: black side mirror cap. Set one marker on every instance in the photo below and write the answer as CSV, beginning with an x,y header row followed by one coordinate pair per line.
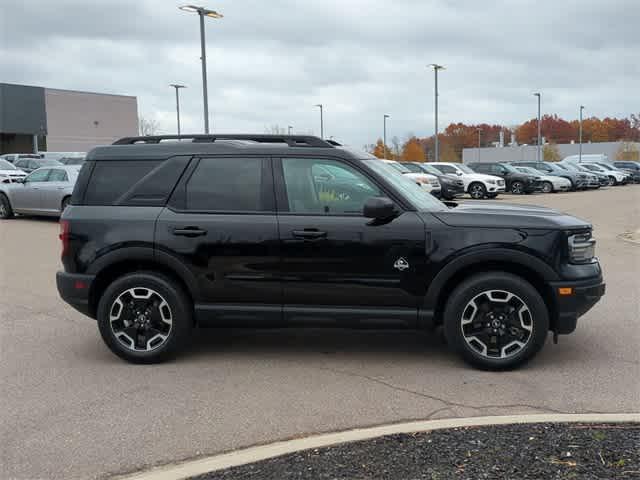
x,y
379,208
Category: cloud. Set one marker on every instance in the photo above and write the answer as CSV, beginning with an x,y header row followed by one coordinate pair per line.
x,y
271,62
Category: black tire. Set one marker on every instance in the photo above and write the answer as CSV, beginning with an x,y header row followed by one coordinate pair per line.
x,y
477,191
492,195
6,211
180,311
612,181
547,187
458,304
517,188
65,203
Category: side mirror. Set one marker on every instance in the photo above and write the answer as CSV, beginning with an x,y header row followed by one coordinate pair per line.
x,y
379,208
459,174
21,180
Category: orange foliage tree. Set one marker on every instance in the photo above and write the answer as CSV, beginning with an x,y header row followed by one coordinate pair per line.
x,y
412,151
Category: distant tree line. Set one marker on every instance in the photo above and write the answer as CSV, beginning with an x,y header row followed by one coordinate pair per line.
x,y
554,130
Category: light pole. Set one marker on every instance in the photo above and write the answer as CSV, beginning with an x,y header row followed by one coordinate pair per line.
x,y
479,133
203,12
177,87
289,128
384,135
436,67
539,141
321,121
580,136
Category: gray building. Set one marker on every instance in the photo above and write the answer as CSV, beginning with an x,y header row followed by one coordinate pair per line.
x,y
528,152
54,120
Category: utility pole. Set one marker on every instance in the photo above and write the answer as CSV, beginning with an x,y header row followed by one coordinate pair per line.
x,y
384,136
539,130
436,67
177,87
580,135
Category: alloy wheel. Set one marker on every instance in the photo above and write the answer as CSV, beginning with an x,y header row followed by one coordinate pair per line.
x,y
517,188
476,191
140,319
497,324
547,187
3,209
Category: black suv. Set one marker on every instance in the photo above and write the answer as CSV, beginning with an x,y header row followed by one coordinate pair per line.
x,y
249,230
515,181
578,180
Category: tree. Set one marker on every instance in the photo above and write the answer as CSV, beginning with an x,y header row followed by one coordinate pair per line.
x,y
628,152
380,149
550,153
275,130
412,151
147,126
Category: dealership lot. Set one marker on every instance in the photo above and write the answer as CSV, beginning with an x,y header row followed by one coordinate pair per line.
x,y
70,409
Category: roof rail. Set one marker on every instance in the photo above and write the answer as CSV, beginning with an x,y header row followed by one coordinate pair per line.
x,y
291,140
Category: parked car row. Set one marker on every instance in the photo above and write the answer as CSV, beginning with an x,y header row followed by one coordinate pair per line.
x,y
488,179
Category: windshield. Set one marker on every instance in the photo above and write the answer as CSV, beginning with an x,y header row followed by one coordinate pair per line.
x,y
528,170
413,168
570,167
465,169
49,163
594,168
399,167
430,169
4,165
509,168
419,198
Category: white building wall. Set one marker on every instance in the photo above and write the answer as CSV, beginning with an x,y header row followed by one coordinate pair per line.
x,y
528,152
79,121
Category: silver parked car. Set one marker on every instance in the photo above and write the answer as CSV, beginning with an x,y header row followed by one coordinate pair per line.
x,y
46,191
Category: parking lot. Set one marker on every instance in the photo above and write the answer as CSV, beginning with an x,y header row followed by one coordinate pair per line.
x,y
71,409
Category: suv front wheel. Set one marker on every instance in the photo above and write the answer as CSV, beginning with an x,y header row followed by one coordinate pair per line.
x,y
144,317
496,321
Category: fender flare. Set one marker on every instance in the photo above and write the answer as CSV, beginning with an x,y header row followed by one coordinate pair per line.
x,y
466,260
147,254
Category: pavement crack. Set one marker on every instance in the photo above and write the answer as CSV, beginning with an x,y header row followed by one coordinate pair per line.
x,y
448,404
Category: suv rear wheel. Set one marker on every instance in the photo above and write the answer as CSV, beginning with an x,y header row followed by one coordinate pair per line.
x,y
517,188
496,321
144,317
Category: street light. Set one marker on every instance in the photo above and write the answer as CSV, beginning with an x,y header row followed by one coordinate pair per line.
x,y
384,136
436,67
319,105
479,134
539,141
177,87
203,12
580,135
289,128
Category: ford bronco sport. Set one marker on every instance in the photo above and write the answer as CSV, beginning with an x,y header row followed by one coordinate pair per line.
x,y
165,234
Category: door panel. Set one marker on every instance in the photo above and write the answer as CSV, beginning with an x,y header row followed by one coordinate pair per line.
x,y
28,196
53,190
331,255
221,223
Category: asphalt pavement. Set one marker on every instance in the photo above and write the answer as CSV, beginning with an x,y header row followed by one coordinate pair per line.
x,y
69,409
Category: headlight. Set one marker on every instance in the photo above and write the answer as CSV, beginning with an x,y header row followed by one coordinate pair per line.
x,y
492,182
582,247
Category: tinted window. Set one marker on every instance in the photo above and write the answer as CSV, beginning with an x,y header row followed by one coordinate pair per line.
x,y
57,175
310,190
446,169
111,179
22,163
226,184
39,175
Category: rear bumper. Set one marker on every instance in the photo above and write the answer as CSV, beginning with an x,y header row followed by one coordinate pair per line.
x,y
74,289
586,293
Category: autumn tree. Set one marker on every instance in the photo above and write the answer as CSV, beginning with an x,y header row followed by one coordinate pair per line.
x,y
628,152
381,150
550,153
412,151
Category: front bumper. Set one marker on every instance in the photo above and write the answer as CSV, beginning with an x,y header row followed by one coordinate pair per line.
x,y
569,307
74,289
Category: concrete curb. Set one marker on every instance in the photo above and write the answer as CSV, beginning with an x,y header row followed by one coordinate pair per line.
x,y
243,456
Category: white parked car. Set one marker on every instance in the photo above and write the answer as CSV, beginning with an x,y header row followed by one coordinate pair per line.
x,y
9,173
477,185
427,181
550,183
616,177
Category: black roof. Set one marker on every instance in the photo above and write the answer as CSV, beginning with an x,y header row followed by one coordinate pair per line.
x,y
164,146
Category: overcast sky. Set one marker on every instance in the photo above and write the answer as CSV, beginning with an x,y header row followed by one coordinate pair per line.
x,y
270,62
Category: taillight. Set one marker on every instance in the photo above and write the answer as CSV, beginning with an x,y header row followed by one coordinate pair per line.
x,y
64,236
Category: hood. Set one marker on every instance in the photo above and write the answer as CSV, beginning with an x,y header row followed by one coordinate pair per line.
x,y
509,215
481,176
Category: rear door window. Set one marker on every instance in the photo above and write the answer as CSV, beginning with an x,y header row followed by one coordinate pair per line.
x,y
111,179
57,175
223,184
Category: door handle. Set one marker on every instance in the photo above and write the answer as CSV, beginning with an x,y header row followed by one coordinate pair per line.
x,y
189,232
309,234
